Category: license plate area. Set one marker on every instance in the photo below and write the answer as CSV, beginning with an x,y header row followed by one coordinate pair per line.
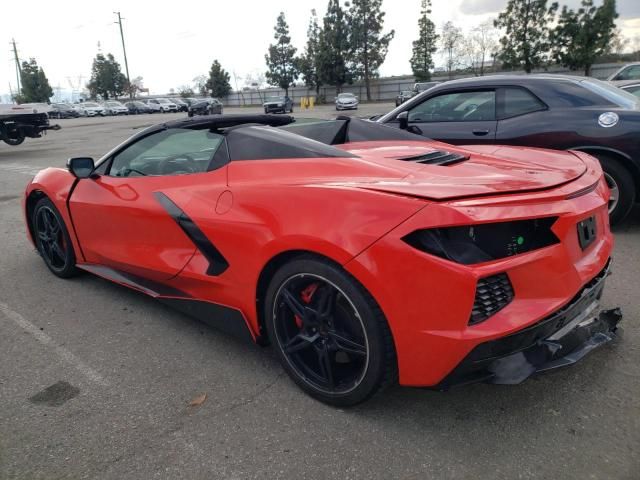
x,y
587,231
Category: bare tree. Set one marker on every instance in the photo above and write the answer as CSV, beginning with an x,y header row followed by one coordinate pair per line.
x,y
451,41
200,85
619,42
479,47
635,47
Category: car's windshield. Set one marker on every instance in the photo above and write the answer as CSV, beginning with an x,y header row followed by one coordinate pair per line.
x,y
163,100
346,95
139,104
275,99
613,94
89,104
633,89
114,104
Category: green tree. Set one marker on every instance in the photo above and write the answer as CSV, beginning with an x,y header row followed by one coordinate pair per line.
x,y
218,82
425,46
582,36
334,61
35,86
308,61
107,81
525,43
369,45
281,60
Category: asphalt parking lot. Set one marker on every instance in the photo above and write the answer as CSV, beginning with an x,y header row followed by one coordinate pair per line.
x,y
96,380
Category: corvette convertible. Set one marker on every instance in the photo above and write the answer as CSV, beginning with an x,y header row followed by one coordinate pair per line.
x,y
366,255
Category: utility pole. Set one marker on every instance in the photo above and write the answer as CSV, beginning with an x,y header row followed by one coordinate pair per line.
x,y
124,50
17,60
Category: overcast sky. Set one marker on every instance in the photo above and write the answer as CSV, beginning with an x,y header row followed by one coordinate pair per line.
x,y
170,43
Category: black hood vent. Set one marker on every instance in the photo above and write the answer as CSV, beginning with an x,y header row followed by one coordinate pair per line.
x,y
439,157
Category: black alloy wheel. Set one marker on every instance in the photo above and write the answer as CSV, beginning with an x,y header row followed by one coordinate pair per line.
x,y
52,239
330,335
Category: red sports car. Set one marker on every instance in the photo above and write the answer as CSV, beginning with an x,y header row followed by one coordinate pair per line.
x,y
364,254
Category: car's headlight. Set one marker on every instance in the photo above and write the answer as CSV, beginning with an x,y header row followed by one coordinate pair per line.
x,y
484,242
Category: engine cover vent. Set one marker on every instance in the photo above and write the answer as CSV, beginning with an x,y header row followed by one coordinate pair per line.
x,y
439,157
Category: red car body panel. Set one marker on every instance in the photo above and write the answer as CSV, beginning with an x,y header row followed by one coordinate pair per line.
x,y
354,211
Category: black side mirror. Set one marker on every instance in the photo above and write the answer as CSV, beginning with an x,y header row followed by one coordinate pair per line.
x,y
403,118
81,167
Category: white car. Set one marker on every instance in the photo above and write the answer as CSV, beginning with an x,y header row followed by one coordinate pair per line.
x,y
631,71
113,107
92,109
346,101
162,105
153,105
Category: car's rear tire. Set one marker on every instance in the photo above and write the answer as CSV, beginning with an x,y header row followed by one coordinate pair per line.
x,y
623,188
14,138
52,239
338,348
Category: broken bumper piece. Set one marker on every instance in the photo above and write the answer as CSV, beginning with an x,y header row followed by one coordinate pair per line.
x,y
556,352
557,341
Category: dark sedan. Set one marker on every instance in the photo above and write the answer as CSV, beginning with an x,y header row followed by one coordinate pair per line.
x,y
62,110
276,104
136,107
547,111
206,106
182,105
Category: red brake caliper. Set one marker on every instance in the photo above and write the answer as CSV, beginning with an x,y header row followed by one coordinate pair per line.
x,y
306,296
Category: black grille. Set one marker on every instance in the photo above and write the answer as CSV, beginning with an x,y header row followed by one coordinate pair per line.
x,y
492,295
437,158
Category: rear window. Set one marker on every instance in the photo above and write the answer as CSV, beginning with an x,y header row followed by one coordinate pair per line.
x,y
263,143
518,101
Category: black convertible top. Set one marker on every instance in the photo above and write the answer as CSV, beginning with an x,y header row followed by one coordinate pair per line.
x,y
349,129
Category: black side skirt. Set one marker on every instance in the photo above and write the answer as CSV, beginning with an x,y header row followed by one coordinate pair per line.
x,y
223,318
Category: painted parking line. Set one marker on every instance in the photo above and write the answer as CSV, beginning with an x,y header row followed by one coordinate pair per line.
x,y
46,340
20,168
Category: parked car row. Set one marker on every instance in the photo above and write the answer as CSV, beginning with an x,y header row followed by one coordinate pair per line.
x,y
135,107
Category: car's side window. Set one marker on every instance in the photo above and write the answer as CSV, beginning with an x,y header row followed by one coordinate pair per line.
x,y
468,106
175,151
518,101
630,73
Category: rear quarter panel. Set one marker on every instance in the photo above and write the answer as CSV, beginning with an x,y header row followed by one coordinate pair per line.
x,y
250,224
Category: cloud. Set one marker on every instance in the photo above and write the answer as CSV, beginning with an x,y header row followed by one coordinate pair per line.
x,y
626,8
481,7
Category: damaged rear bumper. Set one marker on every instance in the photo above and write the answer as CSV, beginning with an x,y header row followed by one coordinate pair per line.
x,y
557,341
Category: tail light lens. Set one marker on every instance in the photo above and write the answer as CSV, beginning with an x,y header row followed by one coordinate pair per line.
x,y
485,242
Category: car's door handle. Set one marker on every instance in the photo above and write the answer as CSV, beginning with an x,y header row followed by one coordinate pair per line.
x,y
480,133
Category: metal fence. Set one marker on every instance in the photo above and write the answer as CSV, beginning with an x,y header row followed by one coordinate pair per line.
x,y
385,89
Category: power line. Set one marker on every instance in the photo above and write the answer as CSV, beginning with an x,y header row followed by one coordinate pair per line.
x,y
124,50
